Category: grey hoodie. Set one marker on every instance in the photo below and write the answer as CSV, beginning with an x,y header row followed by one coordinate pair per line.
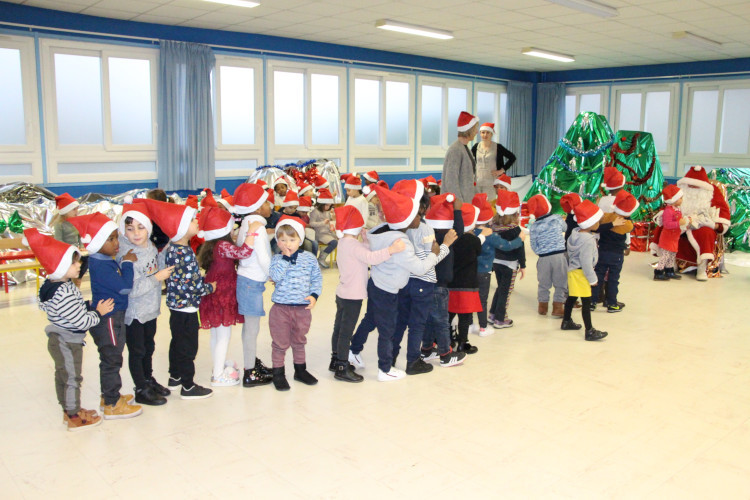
x,y
393,274
582,253
144,299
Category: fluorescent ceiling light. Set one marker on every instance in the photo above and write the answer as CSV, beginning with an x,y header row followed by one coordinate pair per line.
x,y
412,29
236,3
546,54
589,7
696,40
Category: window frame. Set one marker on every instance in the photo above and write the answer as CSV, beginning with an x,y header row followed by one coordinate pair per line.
x,y
502,118
578,91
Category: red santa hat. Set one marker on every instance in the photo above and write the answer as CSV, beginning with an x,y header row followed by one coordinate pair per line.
x,y
227,200
295,222
55,256
696,177
320,182
569,201
587,214
504,181
248,198
410,187
485,209
440,213
348,220
172,218
271,195
94,229
137,211
280,180
469,214
262,183
487,127
613,179
324,197
370,195
290,200
399,210
305,204
507,202
214,223
303,187
625,204
539,205
671,194
353,182
431,181
466,121
65,203
208,199
371,176
192,201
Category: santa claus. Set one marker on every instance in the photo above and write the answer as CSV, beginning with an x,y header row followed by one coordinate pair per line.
x,y
707,214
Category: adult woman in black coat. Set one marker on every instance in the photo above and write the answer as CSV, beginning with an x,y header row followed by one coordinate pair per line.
x,y
493,160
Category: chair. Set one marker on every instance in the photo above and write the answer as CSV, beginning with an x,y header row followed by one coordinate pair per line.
x,y
8,251
331,256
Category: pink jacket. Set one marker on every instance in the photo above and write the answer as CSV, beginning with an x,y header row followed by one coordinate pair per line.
x,y
670,233
353,259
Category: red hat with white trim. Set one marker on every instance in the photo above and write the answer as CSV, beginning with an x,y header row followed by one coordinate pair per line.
x,y
504,181
55,256
290,200
466,121
172,218
271,195
372,194
94,229
208,199
280,180
613,179
507,202
192,201
320,183
214,223
440,213
469,214
431,181
303,187
696,177
625,204
569,201
671,194
65,203
295,222
371,176
353,182
412,188
587,214
227,200
487,127
248,198
305,204
262,183
399,210
137,211
485,209
348,220
324,197
539,205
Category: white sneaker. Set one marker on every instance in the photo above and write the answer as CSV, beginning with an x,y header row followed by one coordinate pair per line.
x,y
473,328
485,332
393,374
228,378
356,360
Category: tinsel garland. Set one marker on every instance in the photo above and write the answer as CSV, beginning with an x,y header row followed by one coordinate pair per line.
x,y
558,190
559,161
288,165
568,146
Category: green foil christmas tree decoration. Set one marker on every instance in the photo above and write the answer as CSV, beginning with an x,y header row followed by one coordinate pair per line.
x,y
737,183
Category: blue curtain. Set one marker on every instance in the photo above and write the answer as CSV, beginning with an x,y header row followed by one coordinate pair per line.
x,y
519,126
550,121
186,134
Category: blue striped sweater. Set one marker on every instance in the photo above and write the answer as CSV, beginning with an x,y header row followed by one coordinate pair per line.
x,y
296,277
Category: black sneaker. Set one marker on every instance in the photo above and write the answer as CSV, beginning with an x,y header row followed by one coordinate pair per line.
x,y
593,307
196,392
614,308
158,388
174,384
452,358
594,334
467,348
429,354
418,367
147,396
567,324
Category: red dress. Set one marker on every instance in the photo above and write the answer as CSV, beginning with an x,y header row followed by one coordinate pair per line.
x,y
220,308
670,234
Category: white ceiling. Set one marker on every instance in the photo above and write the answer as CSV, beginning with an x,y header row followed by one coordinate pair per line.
x,y
490,32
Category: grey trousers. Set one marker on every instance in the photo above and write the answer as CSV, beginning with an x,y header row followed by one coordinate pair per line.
x,y
250,329
68,357
552,270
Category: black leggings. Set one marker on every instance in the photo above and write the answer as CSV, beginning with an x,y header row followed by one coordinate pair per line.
x,y
585,310
464,322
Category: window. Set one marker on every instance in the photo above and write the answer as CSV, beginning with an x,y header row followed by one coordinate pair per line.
x,y
648,108
580,99
439,104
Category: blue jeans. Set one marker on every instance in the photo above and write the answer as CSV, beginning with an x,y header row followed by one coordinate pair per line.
x,y
609,265
381,306
437,328
414,304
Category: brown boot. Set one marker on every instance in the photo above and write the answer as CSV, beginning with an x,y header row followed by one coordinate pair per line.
x,y
543,306
558,309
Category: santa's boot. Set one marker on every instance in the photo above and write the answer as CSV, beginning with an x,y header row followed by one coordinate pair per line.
x,y
701,273
669,271
660,276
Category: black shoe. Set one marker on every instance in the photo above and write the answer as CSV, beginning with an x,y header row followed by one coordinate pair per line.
x,y
302,375
279,379
174,383
669,272
567,324
452,358
262,369
158,388
196,392
254,378
332,364
592,308
148,396
467,348
594,334
418,367
345,372
660,275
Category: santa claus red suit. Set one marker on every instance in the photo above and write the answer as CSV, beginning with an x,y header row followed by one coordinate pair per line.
x,y
708,215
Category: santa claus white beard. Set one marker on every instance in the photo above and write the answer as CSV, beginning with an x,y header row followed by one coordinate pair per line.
x,y
696,201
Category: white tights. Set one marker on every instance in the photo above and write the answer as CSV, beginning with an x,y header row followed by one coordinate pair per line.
x,y
219,345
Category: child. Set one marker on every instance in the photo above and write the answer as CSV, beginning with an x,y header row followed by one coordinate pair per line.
x,y
298,286
218,311
144,301
507,264
671,219
582,256
185,287
67,207
613,231
371,177
304,209
69,319
320,221
567,203
484,262
613,181
502,183
375,215
109,281
251,201
547,240
354,257
280,188
354,196
158,237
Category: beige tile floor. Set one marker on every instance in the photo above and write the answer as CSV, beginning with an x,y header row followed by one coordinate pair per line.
x,y
659,409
